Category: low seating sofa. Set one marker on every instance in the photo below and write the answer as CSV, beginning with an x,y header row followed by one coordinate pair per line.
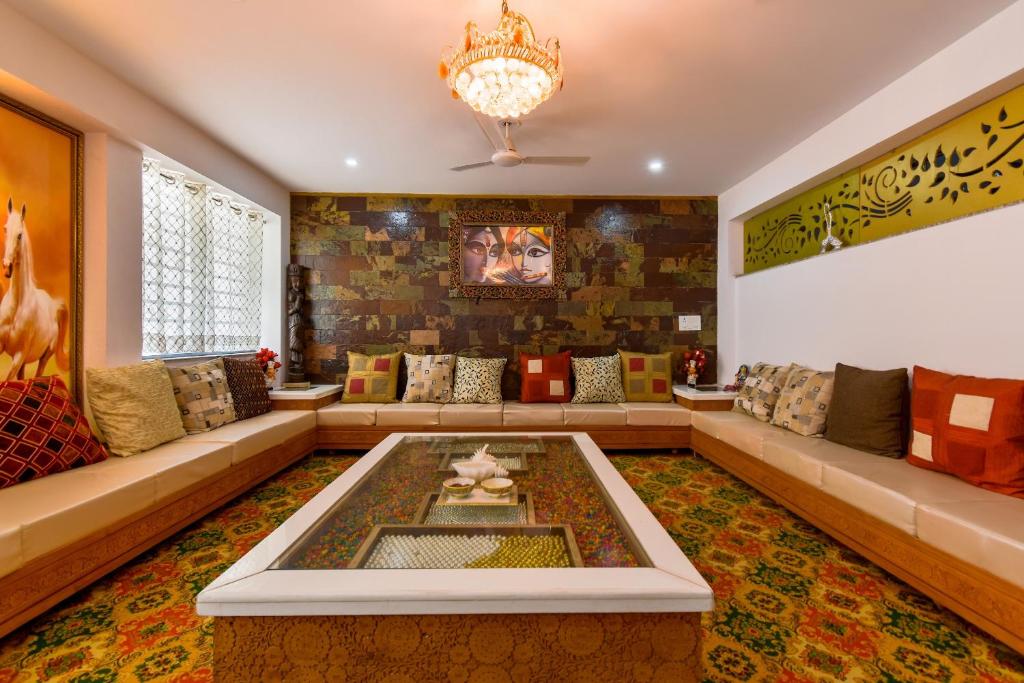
x,y
62,532
611,425
960,544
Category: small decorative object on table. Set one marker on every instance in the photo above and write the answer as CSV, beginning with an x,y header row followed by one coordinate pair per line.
x,y
741,377
268,361
481,466
460,487
497,486
694,362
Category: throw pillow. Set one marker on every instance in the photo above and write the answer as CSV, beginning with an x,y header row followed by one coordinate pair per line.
x,y
869,410
598,380
203,396
134,406
248,387
478,380
804,402
761,390
544,379
429,378
647,376
42,431
970,427
371,379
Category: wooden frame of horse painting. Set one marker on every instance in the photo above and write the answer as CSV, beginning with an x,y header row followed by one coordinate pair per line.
x,y
41,272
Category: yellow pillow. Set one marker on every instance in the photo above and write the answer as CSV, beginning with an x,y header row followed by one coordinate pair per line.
x,y
134,406
647,376
371,379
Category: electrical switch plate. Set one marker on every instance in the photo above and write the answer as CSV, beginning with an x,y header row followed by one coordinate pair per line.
x,y
689,323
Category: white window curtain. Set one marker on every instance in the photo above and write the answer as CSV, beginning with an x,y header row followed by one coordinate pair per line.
x,y
202,268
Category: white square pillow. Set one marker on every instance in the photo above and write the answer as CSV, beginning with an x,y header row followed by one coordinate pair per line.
x,y
598,380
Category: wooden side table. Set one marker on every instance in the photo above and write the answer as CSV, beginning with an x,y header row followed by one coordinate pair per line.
x,y
703,400
317,396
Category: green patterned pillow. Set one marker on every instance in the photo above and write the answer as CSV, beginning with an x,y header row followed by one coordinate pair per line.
x,y
478,380
203,396
429,378
598,380
760,391
804,401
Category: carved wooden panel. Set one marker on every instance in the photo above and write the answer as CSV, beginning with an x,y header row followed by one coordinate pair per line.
x,y
499,648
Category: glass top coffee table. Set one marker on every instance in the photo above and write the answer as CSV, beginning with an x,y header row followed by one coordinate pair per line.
x,y
385,543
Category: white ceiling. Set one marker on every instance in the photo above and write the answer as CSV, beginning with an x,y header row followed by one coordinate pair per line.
x,y
715,88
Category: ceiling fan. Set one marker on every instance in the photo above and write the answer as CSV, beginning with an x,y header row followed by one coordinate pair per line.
x,y
508,156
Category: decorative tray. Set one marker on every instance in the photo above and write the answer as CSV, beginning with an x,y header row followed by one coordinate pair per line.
x,y
392,546
476,515
479,497
513,462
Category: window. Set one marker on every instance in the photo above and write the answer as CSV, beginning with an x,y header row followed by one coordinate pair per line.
x,y
202,268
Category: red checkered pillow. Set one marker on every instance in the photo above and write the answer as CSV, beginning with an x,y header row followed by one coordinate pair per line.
x,y
545,379
42,431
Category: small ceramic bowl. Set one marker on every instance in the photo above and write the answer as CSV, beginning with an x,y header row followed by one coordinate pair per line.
x,y
459,487
498,486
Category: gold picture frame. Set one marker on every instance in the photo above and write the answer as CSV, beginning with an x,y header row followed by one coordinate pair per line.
x,y
490,254
41,190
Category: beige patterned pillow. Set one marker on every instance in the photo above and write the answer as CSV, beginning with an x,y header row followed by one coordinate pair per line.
x,y
478,380
203,396
598,380
429,378
760,391
803,403
134,406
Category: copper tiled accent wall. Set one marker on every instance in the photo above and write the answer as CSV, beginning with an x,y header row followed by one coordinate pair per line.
x,y
379,279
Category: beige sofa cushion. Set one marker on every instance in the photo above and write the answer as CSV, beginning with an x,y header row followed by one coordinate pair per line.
x,y
533,414
10,541
63,508
892,489
988,533
471,414
134,406
656,414
749,435
348,415
257,434
590,414
804,458
409,414
175,465
711,421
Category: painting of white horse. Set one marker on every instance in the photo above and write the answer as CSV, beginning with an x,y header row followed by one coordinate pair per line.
x,y
40,246
33,324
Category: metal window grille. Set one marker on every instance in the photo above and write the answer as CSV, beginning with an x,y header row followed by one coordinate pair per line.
x,y
202,267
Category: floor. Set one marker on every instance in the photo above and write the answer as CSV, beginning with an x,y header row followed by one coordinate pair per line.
x,y
791,604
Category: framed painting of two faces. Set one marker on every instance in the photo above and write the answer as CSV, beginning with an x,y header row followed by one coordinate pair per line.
x,y
507,254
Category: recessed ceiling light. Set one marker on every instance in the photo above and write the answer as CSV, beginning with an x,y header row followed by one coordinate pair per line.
x,y
655,166
351,162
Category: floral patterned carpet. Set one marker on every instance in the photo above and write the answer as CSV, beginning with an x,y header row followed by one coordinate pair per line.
x,y
791,604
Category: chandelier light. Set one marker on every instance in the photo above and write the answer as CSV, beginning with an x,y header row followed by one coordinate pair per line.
x,y
505,73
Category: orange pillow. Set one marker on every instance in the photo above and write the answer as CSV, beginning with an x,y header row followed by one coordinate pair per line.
x,y
971,427
545,379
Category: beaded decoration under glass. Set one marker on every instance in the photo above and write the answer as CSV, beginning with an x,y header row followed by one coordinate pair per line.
x,y
403,551
497,515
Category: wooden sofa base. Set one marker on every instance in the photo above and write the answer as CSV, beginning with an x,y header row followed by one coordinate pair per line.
x,y
608,438
45,581
991,603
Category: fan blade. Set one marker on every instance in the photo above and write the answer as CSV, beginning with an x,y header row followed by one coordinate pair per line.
x,y
556,161
487,128
467,167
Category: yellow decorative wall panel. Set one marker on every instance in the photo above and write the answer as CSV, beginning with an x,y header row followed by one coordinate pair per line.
x,y
973,163
796,229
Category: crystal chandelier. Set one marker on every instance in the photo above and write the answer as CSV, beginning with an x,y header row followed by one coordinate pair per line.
x,y
504,73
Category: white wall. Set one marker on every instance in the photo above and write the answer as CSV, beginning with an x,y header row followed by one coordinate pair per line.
x,y
948,296
121,124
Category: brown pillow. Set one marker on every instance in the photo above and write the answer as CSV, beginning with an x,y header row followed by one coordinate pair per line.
x,y
248,387
869,410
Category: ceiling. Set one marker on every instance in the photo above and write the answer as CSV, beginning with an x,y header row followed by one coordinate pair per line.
x,y
714,88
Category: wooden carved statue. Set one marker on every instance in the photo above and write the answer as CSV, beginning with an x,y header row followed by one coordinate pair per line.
x,y
296,324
